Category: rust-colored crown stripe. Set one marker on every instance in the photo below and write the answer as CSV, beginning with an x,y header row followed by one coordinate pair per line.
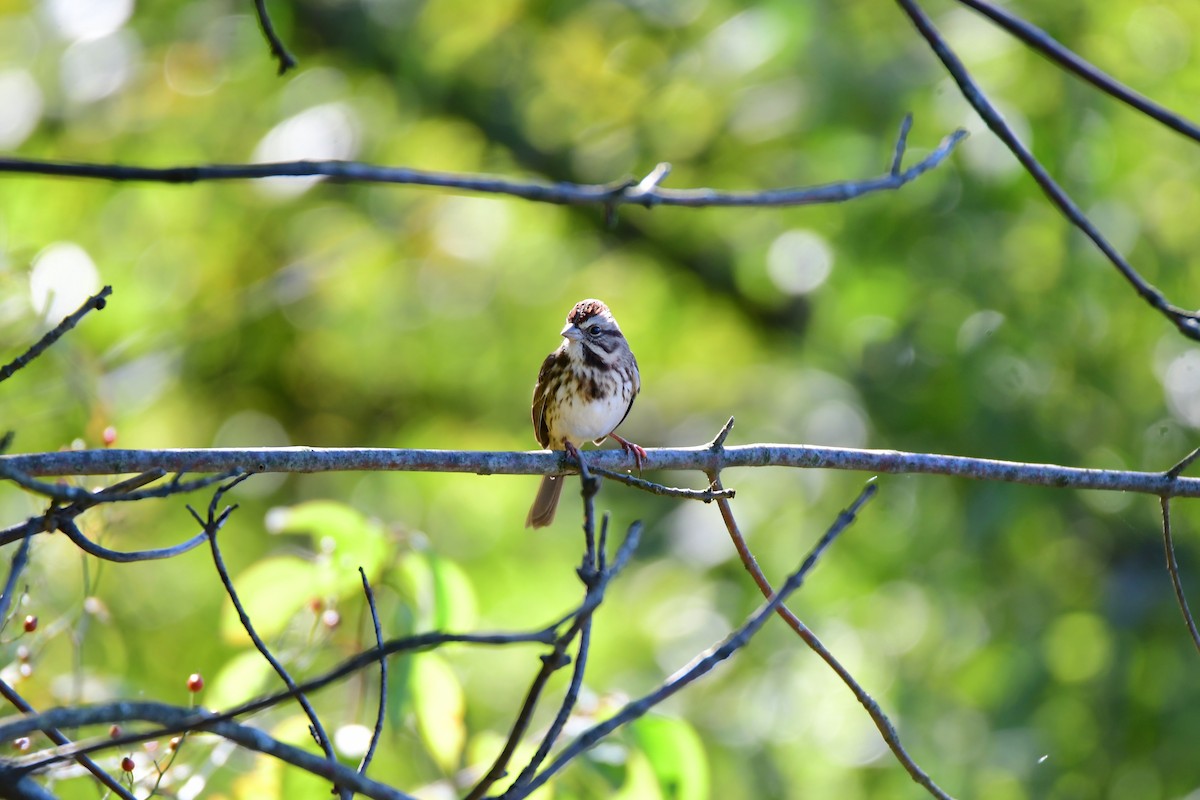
x,y
586,309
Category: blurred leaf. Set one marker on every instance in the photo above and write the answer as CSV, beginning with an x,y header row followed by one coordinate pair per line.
x,y
271,591
441,591
240,679
676,755
341,534
439,706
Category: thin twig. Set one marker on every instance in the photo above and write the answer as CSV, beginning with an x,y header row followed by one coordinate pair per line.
x,y
76,494
59,738
594,584
1173,569
886,729
901,144
176,719
95,302
408,644
1186,321
211,527
383,676
704,663
1048,46
68,526
49,521
16,567
278,50
703,495
605,195
703,458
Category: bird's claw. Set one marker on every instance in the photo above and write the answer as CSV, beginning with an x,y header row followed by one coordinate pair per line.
x,y
639,452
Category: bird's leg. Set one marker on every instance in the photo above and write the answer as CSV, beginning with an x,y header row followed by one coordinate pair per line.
x,y
639,452
573,452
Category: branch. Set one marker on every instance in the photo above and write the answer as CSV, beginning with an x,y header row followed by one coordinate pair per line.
x,y
702,664
886,729
95,302
212,525
1173,569
1186,321
646,193
182,719
278,50
55,735
704,458
381,712
1054,50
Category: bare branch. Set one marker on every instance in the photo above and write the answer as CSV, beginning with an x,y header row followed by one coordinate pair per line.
x,y
212,525
278,50
1186,321
647,193
383,676
55,735
68,526
884,725
1054,50
83,498
703,458
595,582
175,718
96,302
1173,569
17,566
703,664
703,495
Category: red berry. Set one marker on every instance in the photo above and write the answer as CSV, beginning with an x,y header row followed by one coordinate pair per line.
x,y
315,605
109,437
174,743
114,731
127,764
195,682
30,623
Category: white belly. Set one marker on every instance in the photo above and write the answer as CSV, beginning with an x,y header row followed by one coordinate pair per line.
x,y
580,420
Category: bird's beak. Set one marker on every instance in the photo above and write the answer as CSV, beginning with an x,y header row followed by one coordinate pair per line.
x,y
571,332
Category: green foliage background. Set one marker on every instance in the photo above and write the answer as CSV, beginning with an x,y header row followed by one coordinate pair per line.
x,y
1024,640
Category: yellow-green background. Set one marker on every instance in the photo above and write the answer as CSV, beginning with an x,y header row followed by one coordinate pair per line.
x,y
1024,640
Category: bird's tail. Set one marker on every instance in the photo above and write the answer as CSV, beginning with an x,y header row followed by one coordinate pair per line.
x,y
541,513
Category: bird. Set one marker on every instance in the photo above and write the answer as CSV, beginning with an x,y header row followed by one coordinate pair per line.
x,y
584,391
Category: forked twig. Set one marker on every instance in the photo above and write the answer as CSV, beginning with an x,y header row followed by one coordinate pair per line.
x,y
885,726
1187,322
377,733
702,665
212,525
278,50
646,193
95,302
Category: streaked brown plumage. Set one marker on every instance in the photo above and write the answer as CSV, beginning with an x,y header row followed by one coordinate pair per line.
x,y
584,391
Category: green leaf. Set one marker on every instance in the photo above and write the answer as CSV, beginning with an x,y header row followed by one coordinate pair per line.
x,y
437,700
440,591
676,755
241,679
271,591
343,537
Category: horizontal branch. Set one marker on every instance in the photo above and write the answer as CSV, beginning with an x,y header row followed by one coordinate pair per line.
x,y
705,458
628,192
185,719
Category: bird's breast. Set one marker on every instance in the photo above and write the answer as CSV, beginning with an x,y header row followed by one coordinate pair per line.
x,y
584,415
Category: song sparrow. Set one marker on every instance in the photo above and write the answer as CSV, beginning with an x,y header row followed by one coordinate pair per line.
x,y
584,391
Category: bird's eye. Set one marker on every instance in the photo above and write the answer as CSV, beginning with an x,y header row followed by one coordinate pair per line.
x,y
594,330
